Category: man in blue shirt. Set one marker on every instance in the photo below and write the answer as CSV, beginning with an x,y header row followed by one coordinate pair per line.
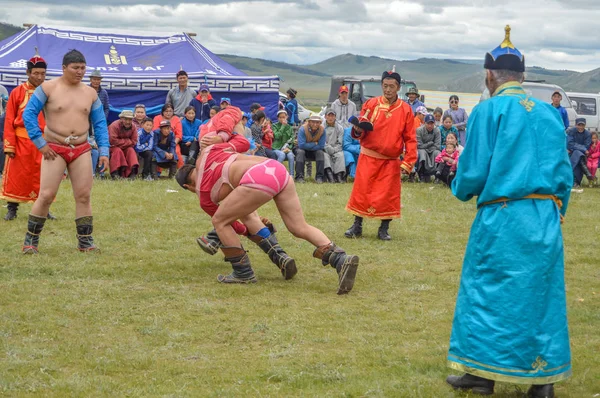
x,y
579,140
311,143
413,99
95,83
556,98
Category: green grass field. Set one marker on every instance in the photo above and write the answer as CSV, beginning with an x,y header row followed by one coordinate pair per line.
x,y
146,317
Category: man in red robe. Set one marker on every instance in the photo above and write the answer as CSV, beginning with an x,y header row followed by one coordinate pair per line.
x,y
123,138
21,181
376,190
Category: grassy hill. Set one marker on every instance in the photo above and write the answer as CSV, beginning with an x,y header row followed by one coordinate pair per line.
x,y
7,30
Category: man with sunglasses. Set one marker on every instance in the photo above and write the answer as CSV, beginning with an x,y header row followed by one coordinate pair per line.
x,y
459,119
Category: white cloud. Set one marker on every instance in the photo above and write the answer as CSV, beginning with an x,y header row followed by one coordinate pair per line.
x,y
553,34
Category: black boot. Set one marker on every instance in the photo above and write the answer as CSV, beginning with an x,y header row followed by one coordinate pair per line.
x,y
478,385
278,256
210,243
345,265
541,391
85,227
584,168
35,224
329,175
341,178
320,164
355,231
154,170
242,270
383,230
172,170
11,214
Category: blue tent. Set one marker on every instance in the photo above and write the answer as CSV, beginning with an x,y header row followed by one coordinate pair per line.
x,y
136,67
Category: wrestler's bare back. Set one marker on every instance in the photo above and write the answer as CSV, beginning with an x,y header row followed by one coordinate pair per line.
x,y
67,110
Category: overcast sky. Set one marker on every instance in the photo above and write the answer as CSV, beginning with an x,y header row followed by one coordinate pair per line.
x,y
556,34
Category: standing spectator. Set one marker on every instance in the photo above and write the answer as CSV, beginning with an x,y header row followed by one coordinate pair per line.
x,y
181,96
284,139
429,142
190,128
556,98
311,145
139,115
351,152
95,83
437,114
258,120
291,107
459,118
144,148
594,155
413,99
123,139
225,102
167,113
203,103
446,161
420,114
446,128
335,165
579,140
344,108
165,154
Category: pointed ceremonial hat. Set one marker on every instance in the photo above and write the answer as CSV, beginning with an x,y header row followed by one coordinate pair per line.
x,y
36,61
506,56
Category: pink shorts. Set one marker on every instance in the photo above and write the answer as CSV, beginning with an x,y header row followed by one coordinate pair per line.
x,y
269,176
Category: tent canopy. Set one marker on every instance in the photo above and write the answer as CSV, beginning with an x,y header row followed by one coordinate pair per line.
x,y
136,67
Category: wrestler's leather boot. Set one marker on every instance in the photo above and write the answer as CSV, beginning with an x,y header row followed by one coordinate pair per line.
x,y
35,224
585,170
477,384
278,256
11,214
210,243
355,231
382,233
242,269
345,265
541,391
85,227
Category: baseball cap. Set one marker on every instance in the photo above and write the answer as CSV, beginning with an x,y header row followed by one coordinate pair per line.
x,y
165,123
204,87
343,89
225,99
330,111
556,92
256,107
422,110
429,118
580,120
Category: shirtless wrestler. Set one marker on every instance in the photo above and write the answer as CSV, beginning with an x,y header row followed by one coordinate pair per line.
x,y
68,105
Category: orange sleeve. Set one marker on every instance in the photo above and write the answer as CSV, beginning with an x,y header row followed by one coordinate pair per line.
x,y
12,108
409,136
157,120
177,127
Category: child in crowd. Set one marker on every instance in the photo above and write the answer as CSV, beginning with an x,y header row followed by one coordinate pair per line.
x,y
267,141
594,156
452,138
165,154
191,128
437,114
447,128
283,143
447,161
145,147
213,111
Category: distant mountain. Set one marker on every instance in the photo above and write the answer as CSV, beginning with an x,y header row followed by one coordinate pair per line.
x,y
7,30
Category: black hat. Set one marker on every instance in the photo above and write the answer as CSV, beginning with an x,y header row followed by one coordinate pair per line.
x,y
392,74
506,56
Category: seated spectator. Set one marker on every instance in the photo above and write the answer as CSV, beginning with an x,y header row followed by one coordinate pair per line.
x,y
139,115
579,140
447,128
145,148
164,150
253,108
413,99
259,120
594,155
437,114
283,142
452,138
247,117
311,145
267,142
123,139
166,113
429,142
225,102
459,118
446,161
351,152
190,128
335,166
420,114
203,103
213,111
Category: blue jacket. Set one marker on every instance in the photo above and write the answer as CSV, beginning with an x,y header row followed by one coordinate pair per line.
x,y
160,150
291,107
350,145
145,141
564,115
577,141
310,146
415,105
190,130
202,109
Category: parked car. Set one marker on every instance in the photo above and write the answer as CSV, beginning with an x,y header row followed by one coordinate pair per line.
x,y
543,92
303,113
586,105
362,88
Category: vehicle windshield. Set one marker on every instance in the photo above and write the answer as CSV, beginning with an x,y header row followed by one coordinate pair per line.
x,y
373,89
540,92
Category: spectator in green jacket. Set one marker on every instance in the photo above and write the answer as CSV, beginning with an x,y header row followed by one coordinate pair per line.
x,y
283,143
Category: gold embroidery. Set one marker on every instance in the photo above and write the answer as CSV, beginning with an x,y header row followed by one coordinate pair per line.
x,y
539,364
32,195
371,210
527,104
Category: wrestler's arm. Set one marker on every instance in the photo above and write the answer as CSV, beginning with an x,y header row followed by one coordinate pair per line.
x,y
100,127
30,117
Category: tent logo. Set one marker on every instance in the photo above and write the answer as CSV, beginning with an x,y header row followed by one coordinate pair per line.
x,y
113,57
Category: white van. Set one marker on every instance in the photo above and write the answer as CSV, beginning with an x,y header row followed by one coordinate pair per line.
x,y
587,105
543,92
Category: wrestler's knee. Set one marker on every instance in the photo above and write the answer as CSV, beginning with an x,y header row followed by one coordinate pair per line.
x,y
82,196
46,196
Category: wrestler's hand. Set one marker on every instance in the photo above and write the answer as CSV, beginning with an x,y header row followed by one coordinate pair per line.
x,y
103,162
10,154
208,141
48,153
